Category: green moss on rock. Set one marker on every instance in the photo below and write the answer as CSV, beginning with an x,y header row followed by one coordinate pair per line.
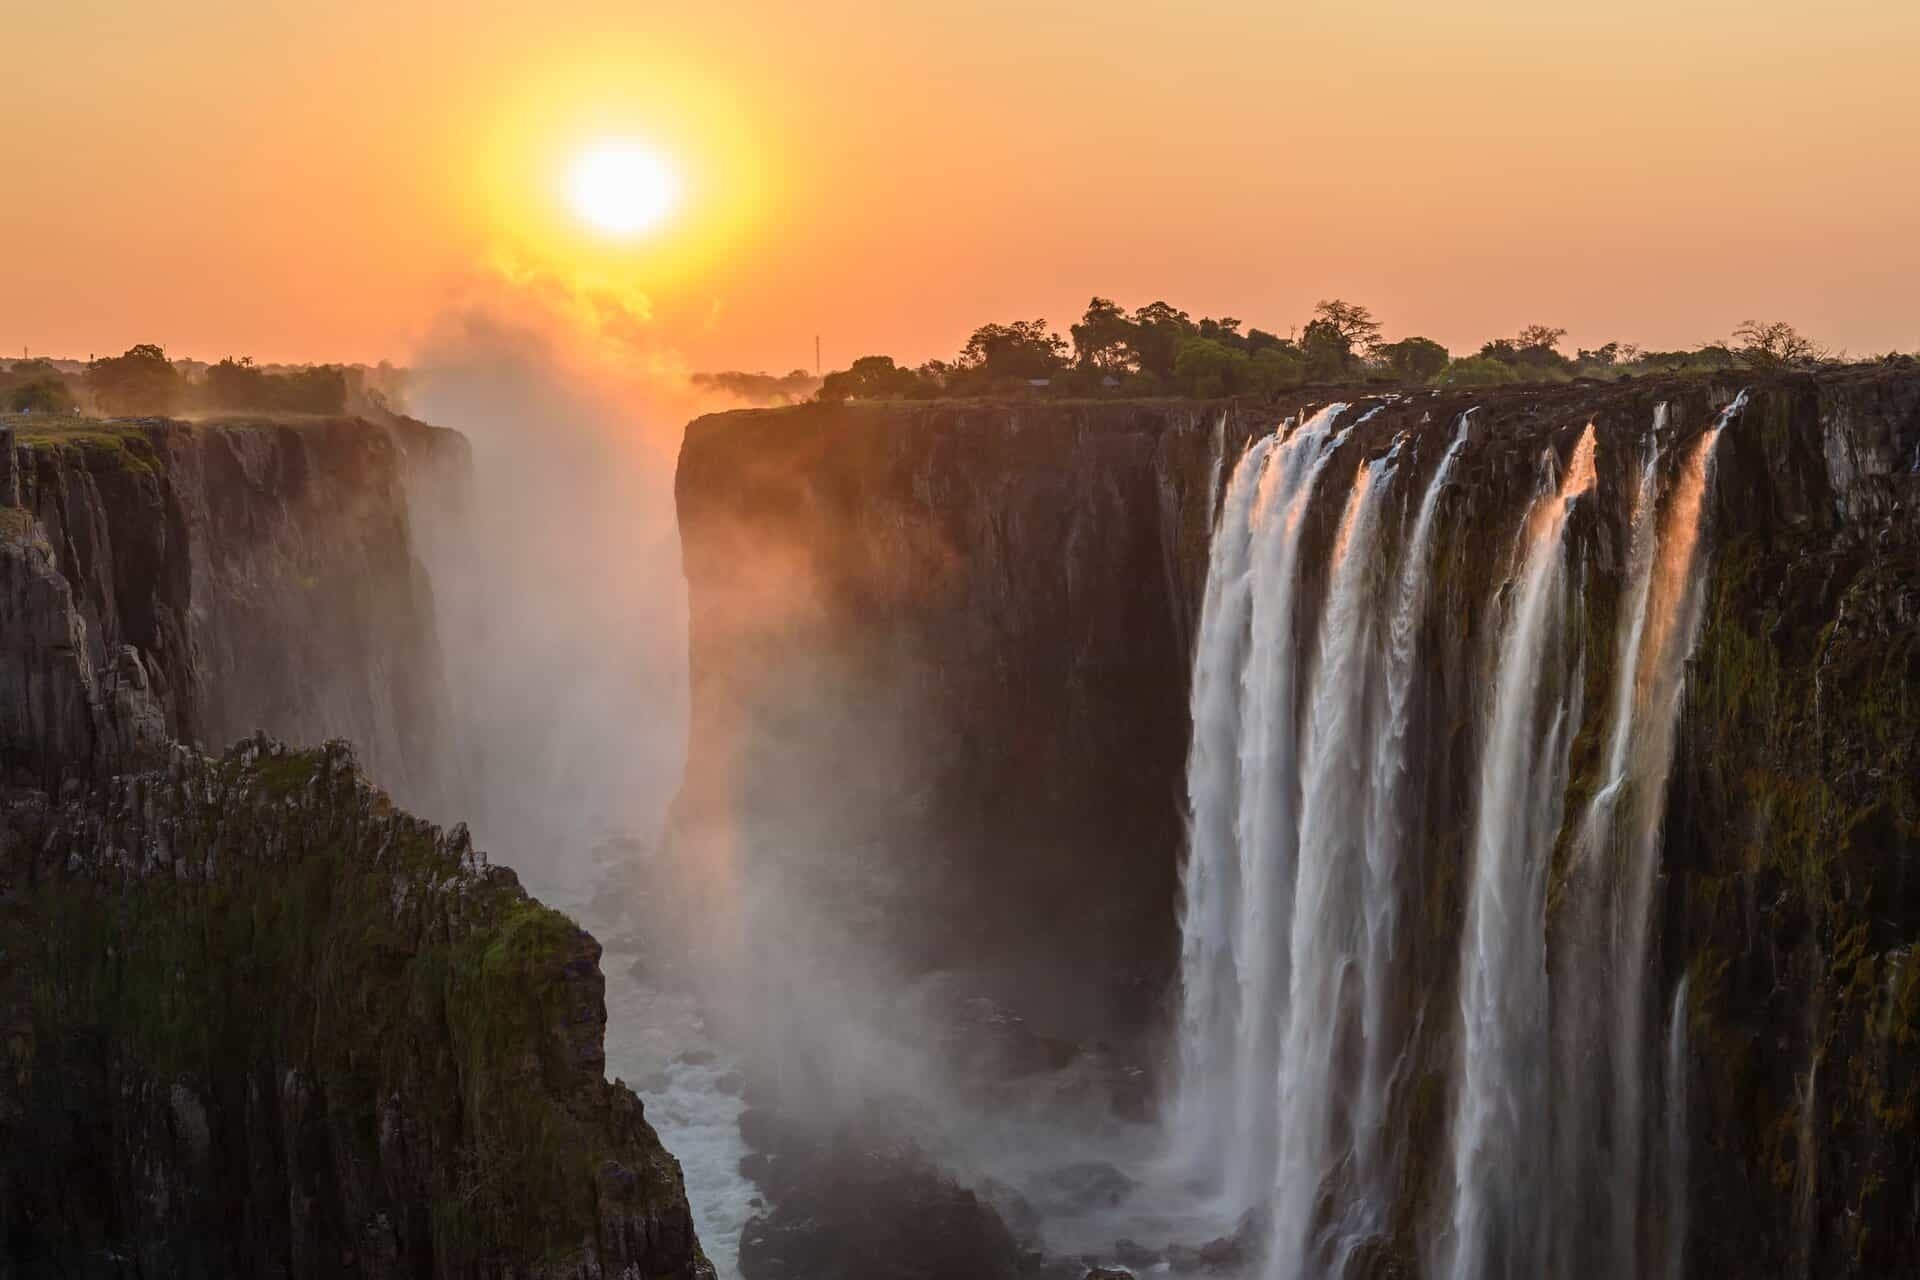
x,y
261,1023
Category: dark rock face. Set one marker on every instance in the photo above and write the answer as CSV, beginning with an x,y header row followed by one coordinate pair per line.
x,y
1006,594
1793,842
235,575
847,1206
253,1019
968,623
261,1023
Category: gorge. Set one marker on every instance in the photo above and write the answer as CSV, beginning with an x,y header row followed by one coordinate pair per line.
x,y
1461,833
1546,827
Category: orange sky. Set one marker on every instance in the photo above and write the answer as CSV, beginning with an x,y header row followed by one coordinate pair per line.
x,y
311,182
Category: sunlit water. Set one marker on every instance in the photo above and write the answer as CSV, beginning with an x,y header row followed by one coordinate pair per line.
x,y
1304,786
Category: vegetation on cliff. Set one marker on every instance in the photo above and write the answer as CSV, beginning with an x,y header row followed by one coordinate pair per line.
x,y
1795,835
253,1019
143,381
1161,350
259,1022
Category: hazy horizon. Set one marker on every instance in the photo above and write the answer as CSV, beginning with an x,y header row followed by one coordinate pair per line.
x,y
309,185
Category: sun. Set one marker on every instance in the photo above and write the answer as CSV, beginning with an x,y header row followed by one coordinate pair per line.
x,y
622,188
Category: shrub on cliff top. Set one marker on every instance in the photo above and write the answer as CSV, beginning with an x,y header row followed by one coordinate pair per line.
x,y
41,395
141,380
1477,371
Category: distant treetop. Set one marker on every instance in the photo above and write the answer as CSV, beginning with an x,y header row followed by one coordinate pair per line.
x,y
142,382
1159,349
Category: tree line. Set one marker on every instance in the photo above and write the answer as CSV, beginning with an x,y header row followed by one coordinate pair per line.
x,y
143,382
1161,350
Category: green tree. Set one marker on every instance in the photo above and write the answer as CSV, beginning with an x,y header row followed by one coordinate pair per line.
x,y
1103,339
236,384
140,380
1477,371
872,378
314,389
1328,351
1536,337
1158,330
1206,368
1413,359
1531,353
1277,368
41,395
1225,331
1353,322
1774,345
1024,350
1608,355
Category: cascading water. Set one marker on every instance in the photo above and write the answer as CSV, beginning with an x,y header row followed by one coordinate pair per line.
x,y
1389,822
1330,885
1267,835
1676,1186
1307,782
1211,1011
1673,623
1582,983
1500,1105
1270,1003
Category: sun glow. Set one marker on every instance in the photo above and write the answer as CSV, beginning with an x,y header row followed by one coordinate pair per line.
x,y
622,188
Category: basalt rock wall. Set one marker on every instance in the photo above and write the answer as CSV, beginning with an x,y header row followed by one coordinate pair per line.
x,y
945,648
225,577
255,1020
259,1022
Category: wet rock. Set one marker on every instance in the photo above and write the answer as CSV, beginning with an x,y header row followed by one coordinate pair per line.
x,y
1376,1259
1079,1188
857,1209
1042,828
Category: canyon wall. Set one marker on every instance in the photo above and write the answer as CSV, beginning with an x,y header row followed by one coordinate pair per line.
x,y
236,575
257,1020
945,648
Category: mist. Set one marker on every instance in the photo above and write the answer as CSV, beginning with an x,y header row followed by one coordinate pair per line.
x,y
560,605
763,934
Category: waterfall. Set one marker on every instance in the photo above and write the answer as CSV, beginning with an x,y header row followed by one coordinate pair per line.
x,y
1210,1014
1286,894
1330,890
1583,989
1265,835
1304,1042
1675,594
1500,1114
1240,794
1388,826
1676,1188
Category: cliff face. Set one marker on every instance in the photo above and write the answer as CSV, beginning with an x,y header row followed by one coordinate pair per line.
x,y
261,1023
226,577
967,624
253,1019
1007,594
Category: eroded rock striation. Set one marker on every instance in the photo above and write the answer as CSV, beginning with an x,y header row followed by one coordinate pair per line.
x,y
225,576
